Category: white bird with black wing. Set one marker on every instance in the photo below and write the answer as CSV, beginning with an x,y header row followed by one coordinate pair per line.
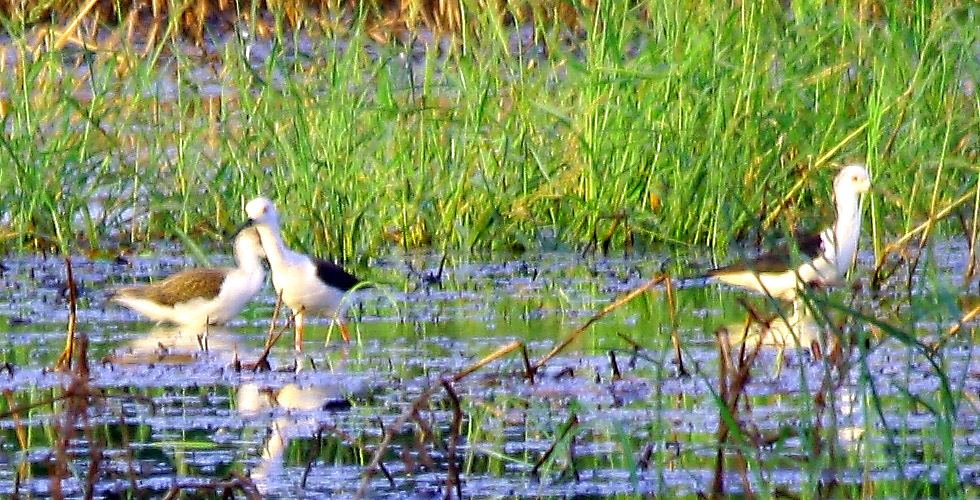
x,y
827,255
306,284
204,296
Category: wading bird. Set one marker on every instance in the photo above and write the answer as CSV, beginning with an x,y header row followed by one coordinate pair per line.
x,y
826,256
200,297
306,284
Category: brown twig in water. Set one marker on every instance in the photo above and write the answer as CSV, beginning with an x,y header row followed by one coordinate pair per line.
x,y
130,458
275,317
311,459
674,334
64,361
633,343
347,438
452,475
904,239
65,424
421,400
955,329
718,484
528,371
971,267
495,355
222,489
731,392
569,425
638,350
428,435
262,364
616,374
601,314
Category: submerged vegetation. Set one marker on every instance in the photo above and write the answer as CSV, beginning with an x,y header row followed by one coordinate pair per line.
x,y
640,123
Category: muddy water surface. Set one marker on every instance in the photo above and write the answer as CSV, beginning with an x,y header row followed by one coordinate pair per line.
x,y
614,414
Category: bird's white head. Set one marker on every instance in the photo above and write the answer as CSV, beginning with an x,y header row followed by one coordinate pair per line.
x,y
249,244
261,211
852,180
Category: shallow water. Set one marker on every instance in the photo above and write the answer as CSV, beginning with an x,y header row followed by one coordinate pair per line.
x,y
192,417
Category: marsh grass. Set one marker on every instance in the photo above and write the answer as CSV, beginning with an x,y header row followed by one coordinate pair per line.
x,y
679,127
676,127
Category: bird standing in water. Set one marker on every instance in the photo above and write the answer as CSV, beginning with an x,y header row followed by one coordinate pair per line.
x,y
306,284
201,297
828,254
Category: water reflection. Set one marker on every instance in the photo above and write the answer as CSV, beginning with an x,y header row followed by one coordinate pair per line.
x,y
798,329
298,411
292,410
179,345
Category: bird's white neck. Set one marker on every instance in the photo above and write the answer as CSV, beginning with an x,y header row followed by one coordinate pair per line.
x,y
248,254
249,260
275,250
847,228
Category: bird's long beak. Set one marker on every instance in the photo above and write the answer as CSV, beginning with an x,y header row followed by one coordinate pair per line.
x,y
247,224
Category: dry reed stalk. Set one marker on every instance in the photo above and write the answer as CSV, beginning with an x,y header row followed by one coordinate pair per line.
x,y
774,214
955,329
674,333
616,374
905,238
569,425
499,353
21,433
619,302
59,43
718,483
452,474
262,364
417,404
65,360
972,313
971,267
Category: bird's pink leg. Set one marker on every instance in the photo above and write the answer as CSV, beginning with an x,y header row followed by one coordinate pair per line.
x,y
298,339
344,332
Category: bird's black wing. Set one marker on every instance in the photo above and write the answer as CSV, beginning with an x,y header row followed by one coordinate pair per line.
x,y
334,275
809,244
779,259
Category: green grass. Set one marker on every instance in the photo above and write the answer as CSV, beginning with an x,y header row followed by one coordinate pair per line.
x,y
661,125
679,126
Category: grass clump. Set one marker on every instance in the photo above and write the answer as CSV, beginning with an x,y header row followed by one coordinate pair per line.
x,y
643,124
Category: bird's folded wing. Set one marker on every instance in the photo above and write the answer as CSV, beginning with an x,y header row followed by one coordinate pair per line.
x,y
180,287
779,259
